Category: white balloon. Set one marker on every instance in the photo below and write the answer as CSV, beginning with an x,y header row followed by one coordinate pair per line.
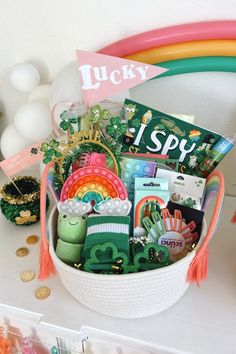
x,y
40,94
24,77
33,121
66,85
12,141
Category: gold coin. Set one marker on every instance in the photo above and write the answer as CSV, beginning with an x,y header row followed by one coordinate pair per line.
x,y
42,293
32,239
27,275
22,252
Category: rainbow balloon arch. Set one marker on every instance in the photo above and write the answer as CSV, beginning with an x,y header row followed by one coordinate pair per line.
x,y
188,48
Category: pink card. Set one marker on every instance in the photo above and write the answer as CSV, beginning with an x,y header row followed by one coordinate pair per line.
x,y
22,159
102,76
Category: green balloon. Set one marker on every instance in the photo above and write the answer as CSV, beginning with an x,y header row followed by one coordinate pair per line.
x,y
198,64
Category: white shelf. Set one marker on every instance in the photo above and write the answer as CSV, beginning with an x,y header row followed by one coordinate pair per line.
x,y
202,322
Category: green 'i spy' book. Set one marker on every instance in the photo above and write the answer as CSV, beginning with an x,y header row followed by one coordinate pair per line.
x,y
151,131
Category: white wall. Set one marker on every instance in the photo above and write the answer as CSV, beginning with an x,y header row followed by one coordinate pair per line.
x,y
51,30
47,32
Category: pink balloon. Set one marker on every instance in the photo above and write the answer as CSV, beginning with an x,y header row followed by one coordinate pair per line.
x,y
170,35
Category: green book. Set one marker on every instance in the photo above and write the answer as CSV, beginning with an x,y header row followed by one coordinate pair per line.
x,y
151,131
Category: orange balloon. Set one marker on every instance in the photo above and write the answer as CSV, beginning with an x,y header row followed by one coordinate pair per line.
x,y
219,47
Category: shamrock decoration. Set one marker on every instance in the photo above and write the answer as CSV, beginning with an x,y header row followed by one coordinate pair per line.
x,y
136,122
34,151
50,150
67,121
191,203
97,115
120,259
198,183
116,128
25,217
153,256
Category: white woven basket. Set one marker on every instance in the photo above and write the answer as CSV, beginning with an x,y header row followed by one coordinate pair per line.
x,y
129,295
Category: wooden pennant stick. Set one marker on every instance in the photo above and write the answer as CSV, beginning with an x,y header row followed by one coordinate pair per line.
x,y
14,184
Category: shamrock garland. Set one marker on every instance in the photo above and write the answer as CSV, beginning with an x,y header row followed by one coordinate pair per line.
x,y
116,128
97,115
50,150
67,122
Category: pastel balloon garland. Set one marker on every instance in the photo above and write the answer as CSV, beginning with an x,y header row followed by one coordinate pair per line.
x,y
170,35
195,47
199,64
220,47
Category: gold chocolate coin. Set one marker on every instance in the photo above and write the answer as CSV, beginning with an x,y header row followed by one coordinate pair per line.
x,y
22,252
27,275
42,293
32,239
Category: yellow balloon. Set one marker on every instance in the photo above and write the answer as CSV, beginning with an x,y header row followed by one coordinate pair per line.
x,y
216,47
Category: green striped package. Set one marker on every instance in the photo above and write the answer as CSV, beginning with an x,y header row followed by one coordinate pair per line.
x,y
106,228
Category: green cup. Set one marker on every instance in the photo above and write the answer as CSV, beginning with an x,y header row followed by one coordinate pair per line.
x,y
69,252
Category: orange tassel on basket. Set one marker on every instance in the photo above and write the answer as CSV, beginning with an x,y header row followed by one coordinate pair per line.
x,y
46,264
198,270
199,267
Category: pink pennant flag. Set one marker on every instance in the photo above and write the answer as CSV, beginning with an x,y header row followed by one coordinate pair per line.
x,y
102,76
23,159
